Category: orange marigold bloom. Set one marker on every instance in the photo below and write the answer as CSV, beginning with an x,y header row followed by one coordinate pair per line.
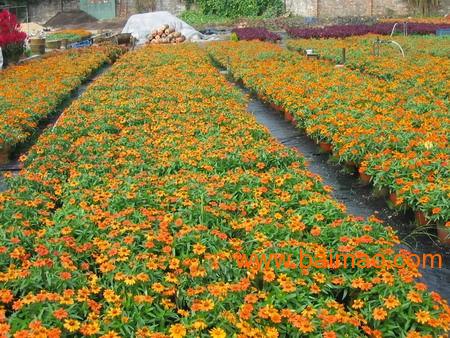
x,y
379,313
71,325
391,302
217,333
422,316
414,297
60,314
177,331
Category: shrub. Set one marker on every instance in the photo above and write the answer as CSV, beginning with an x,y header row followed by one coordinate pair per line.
x,y
236,8
11,38
252,33
342,31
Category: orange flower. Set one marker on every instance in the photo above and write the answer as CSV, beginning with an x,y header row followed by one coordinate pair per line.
x,y
358,304
379,313
217,333
71,325
60,314
391,302
199,249
177,331
423,316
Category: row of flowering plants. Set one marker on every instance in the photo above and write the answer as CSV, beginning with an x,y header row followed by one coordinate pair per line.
x,y
132,217
342,31
71,35
435,20
424,67
360,49
254,33
394,133
32,91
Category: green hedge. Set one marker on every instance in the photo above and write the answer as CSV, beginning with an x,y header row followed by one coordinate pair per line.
x,y
236,8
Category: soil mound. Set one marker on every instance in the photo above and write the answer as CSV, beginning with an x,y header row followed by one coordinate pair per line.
x,y
72,17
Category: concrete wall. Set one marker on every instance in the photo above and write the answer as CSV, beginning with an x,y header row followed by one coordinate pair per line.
x,y
173,6
348,8
353,8
45,9
307,8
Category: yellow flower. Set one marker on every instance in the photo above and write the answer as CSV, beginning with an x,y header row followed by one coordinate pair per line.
x,y
217,333
199,249
71,325
199,325
422,316
177,331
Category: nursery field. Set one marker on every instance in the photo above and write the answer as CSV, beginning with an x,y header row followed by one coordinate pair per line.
x,y
427,58
359,46
134,215
394,131
32,91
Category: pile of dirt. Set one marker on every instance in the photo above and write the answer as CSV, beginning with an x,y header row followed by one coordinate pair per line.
x,y
73,17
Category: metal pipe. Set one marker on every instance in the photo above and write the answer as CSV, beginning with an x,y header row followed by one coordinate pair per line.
x,y
400,47
393,28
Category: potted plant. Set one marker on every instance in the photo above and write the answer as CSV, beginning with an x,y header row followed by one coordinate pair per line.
x,y
12,40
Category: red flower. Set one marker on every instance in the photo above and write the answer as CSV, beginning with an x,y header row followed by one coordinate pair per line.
x,y
10,29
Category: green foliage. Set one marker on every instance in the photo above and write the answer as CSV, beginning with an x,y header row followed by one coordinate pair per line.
x,y
238,8
234,37
197,18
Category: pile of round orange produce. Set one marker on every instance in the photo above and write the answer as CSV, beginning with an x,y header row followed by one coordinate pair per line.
x,y
32,91
396,133
133,217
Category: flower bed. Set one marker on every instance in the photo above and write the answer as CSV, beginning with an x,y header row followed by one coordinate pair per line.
x,y
425,66
253,33
360,48
72,35
32,91
434,20
342,31
396,134
128,218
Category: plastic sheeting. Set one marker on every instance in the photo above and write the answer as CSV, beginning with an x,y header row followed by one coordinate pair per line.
x,y
141,25
1,59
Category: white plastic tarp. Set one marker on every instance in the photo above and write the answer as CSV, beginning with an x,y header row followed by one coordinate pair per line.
x,y
1,59
141,25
